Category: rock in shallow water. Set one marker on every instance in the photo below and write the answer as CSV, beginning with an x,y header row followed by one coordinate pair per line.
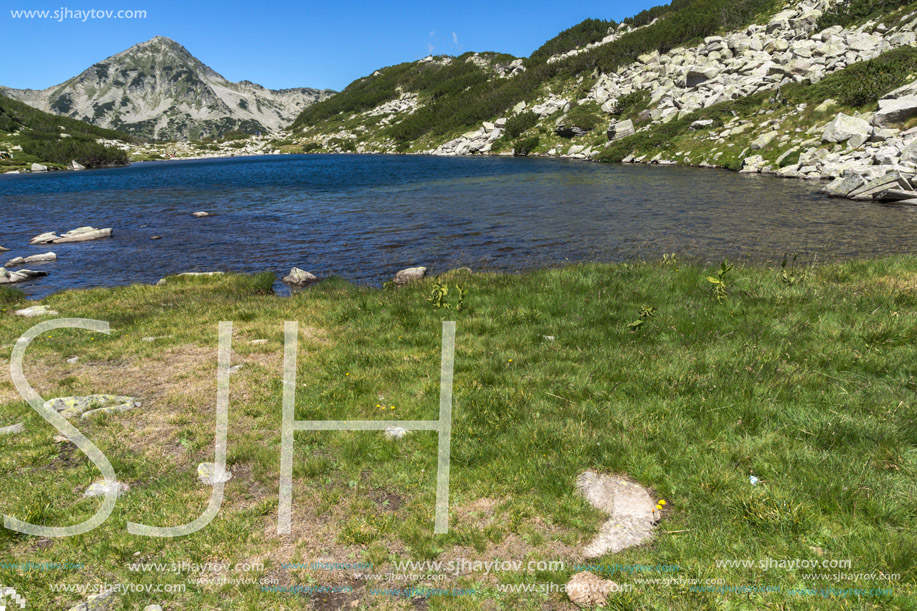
x,y
8,277
42,258
299,276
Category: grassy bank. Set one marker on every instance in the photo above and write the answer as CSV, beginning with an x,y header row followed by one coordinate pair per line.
x,y
803,378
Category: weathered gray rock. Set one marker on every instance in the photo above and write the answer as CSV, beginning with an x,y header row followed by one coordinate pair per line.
x,y
630,508
11,430
621,129
696,75
210,474
97,602
395,432
8,277
201,214
409,275
102,487
75,165
895,110
571,131
702,123
841,187
187,275
299,276
70,407
42,258
4,249
844,127
763,140
587,589
33,311
84,234
44,238
37,167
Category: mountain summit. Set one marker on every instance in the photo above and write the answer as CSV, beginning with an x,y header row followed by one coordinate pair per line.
x,y
159,90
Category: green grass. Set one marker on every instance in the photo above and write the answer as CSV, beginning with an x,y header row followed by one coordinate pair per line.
x,y
808,386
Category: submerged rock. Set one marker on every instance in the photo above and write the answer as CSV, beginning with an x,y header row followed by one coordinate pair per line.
x,y
8,277
201,214
4,249
84,234
631,512
299,276
409,275
42,258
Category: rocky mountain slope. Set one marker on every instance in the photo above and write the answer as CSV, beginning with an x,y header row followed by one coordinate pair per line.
x,y
812,89
157,89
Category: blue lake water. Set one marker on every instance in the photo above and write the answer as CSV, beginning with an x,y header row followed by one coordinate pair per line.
x,y
365,217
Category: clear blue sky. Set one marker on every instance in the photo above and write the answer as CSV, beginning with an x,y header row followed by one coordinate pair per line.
x,y
284,43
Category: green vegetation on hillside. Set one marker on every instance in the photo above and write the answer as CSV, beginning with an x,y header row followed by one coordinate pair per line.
x,y
804,381
852,11
47,138
458,97
580,35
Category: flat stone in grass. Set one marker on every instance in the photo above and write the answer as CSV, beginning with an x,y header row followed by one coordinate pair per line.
x,y
102,601
630,509
102,487
210,474
34,311
395,432
152,608
11,430
70,407
409,275
588,590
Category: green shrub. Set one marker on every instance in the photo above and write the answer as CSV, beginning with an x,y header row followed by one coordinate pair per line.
x,y
525,146
10,296
518,123
852,11
308,147
630,105
586,115
580,35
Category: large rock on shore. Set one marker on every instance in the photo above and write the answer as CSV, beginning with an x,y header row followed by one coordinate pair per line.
x,y
844,128
895,110
409,275
620,129
299,276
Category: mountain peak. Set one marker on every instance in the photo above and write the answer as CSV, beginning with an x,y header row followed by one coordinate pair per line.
x,y
158,89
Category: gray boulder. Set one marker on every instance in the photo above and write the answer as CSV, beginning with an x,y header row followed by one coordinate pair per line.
x,y
42,258
83,234
44,238
702,123
621,129
4,249
845,127
696,75
841,187
37,167
8,277
895,110
571,131
75,165
409,275
299,276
